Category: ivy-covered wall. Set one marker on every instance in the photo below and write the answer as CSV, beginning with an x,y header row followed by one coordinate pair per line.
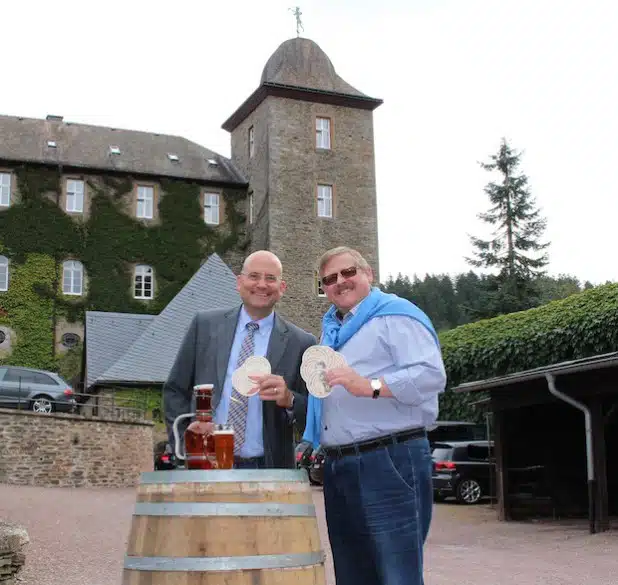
x,y
37,235
582,325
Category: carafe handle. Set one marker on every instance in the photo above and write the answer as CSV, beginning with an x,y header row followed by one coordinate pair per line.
x,y
176,436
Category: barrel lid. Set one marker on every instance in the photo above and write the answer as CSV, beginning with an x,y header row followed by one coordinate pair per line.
x,y
224,476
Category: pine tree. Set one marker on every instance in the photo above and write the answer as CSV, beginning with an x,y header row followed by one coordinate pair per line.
x,y
515,251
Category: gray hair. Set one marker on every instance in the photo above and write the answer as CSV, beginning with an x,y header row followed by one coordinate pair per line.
x,y
338,251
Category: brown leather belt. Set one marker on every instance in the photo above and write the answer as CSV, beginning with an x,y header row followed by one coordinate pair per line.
x,y
373,444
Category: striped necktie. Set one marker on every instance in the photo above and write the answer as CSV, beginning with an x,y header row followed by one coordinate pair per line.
x,y
239,406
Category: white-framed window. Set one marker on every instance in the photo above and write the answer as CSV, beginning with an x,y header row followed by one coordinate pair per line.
x,y
143,282
325,201
251,216
4,273
211,208
145,201
251,142
5,189
322,133
72,277
75,196
318,285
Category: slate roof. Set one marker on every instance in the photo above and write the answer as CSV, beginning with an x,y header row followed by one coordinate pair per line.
x,y
109,336
151,355
301,62
88,147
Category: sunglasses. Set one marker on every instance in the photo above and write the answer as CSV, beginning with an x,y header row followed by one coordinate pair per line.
x,y
345,273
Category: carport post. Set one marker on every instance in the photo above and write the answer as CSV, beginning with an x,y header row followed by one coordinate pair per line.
x,y
551,383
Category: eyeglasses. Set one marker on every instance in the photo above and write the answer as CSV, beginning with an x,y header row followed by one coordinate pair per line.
x,y
345,273
256,277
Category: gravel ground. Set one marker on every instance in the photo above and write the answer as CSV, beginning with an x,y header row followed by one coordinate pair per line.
x,y
78,537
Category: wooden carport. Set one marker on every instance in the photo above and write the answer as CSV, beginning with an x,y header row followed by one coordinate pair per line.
x,y
589,385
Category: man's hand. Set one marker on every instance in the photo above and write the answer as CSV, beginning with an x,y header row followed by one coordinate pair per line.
x,y
348,378
273,387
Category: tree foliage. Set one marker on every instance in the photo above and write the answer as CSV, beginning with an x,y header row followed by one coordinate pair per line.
x,y
515,252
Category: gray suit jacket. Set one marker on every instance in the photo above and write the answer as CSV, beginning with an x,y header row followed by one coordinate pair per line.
x,y
203,359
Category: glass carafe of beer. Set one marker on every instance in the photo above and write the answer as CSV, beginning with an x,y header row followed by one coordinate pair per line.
x,y
199,440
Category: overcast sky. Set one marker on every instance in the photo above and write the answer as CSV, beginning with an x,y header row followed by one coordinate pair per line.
x,y
455,77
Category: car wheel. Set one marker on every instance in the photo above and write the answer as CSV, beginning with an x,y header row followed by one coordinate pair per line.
x,y
42,405
469,491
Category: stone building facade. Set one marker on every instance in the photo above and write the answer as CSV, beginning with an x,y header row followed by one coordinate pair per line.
x,y
304,140
302,170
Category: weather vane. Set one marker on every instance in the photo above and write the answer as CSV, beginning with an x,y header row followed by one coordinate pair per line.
x,y
297,13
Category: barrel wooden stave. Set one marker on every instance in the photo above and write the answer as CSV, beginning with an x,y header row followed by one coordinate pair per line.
x,y
159,536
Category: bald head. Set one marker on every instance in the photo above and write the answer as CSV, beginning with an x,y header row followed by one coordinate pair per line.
x,y
260,283
262,257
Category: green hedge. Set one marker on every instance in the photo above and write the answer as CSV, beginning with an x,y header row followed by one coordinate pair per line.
x,y
582,325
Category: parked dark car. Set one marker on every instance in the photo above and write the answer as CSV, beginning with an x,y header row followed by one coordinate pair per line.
x,y
454,430
464,470
303,456
37,390
163,457
316,468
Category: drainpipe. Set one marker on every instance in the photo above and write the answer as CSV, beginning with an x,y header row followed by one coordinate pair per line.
x,y
551,383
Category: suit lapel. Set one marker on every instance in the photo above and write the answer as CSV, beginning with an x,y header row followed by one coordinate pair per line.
x,y
224,339
278,342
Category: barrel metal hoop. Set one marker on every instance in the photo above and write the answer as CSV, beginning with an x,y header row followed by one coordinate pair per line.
x,y
222,509
224,476
223,563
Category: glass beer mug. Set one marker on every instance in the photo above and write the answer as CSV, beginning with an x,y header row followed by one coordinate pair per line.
x,y
224,446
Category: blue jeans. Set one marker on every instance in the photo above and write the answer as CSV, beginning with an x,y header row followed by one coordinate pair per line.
x,y
378,511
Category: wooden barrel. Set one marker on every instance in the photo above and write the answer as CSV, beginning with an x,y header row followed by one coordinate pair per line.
x,y
224,527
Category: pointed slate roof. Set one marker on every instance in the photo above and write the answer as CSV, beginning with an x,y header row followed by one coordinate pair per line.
x,y
151,356
109,336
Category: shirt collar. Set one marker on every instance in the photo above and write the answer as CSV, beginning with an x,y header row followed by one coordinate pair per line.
x,y
265,323
343,318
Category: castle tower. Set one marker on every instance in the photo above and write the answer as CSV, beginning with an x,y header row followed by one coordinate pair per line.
x,y
304,139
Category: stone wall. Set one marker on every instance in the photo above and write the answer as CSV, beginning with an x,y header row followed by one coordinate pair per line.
x,y
13,541
72,451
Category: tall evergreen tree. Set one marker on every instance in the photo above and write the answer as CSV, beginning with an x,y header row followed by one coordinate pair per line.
x,y
515,250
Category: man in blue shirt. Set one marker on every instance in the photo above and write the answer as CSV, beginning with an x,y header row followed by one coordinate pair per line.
x,y
216,344
377,471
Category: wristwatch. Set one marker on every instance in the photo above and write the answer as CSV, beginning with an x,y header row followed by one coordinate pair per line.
x,y
376,384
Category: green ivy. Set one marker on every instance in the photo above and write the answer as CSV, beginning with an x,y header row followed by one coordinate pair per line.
x,y
582,325
29,315
37,236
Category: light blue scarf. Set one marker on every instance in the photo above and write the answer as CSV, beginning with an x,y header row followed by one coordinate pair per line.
x,y
335,335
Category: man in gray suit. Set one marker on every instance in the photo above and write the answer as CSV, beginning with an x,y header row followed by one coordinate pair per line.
x,y
218,341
